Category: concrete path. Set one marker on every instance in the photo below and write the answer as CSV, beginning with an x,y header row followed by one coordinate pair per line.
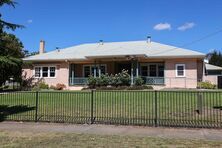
x,y
183,133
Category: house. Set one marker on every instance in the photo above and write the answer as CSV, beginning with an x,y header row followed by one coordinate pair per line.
x,y
213,74
160,65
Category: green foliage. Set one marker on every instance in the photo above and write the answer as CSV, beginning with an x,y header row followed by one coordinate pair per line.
x,y
120,79
11,50
103,80
215,58
43,85
123,78
92,81
206,85
40,85
138,81
4,24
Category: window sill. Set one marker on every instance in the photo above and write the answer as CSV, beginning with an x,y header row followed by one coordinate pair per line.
x,y
45,77
180,76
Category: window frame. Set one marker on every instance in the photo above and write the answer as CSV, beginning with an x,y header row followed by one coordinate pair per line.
x,y
184,70
91,69
41,71
148,69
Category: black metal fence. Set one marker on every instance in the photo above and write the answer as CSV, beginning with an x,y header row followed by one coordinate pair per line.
x,y
148,108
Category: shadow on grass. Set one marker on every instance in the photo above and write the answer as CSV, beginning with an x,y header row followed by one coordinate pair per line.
x,y
6,110
218,107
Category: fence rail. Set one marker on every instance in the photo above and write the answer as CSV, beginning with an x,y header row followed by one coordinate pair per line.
x,y
149,108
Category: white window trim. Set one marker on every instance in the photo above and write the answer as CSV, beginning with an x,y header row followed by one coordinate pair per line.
x,y
148,68
90,66
48,72
184,70
40,71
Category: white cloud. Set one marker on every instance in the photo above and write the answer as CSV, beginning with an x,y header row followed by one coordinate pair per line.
x,y
162,26
186,26
29,21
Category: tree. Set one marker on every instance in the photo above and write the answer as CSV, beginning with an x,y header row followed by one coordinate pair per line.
x,y
4,24
215,58
11,49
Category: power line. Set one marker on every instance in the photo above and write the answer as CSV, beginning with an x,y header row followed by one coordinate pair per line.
x,y
195,41
203,38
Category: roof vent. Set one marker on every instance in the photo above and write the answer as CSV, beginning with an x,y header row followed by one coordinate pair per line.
x,y
148,39
100,42
57,48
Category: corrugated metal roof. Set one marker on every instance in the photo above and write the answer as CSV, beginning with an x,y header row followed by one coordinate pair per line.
x,y
84,51
212,67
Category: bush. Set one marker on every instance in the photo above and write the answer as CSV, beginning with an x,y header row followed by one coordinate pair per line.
x,y
52,87
103,80
120,79
43,85
142,87
92,81
206,85
123,78
138,81
60,86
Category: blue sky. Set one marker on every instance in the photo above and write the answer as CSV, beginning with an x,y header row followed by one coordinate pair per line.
x,y
71,22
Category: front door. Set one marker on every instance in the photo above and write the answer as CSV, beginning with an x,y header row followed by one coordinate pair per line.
x,y
125,66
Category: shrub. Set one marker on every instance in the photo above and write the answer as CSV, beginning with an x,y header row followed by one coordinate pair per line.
x,y
114,80
43,85
138,81
60,86
142,87
92,81
103,80
123,78
52,87
206,85
148,87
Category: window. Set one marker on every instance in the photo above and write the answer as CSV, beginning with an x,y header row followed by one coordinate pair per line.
x,y
160,71
46,72
144,71
180,70
37,72
89,70
153,70
103,69
52,72
86,71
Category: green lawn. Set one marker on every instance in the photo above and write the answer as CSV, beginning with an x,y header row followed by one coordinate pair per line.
x,y
119,107
54,140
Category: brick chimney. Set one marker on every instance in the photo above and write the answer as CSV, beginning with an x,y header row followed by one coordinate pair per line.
x,y
42,47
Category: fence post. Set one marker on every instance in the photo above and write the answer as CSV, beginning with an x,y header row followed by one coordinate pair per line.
x,y
199,102
155,108
36,105
92,95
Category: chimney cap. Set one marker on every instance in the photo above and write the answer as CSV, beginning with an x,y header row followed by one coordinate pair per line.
x,y
148,39
101,42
